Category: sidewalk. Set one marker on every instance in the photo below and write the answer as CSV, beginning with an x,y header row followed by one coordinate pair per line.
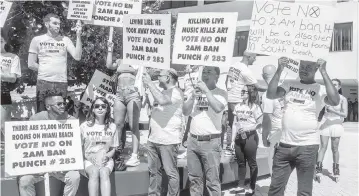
x,y
348,183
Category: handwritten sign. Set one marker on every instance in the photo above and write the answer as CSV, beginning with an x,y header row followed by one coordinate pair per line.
x,y
292,68
33,147
100,85
299,31
80,10
147,40
204,38
110,12
5,7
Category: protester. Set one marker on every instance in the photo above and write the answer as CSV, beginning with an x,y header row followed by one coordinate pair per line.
x,y
248,118
70,106
99,150
350,109
272,117
355,110
128,101
238,76
10,71
204,142
55,110
165,132
50,51
299,142
332,128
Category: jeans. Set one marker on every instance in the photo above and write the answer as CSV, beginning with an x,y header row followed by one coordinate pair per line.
x,y
71,180
246,150
286,158
273,141
203,160
43,87
163,157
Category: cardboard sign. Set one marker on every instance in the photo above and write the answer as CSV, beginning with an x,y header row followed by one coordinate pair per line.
x,y
147,40
80,10
299,31
5,7
204,38
33,147
110,12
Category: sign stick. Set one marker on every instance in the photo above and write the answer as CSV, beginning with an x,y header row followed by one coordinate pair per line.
x,y
110,36
47,184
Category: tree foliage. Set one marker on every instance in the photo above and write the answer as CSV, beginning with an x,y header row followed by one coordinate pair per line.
x,y
26,22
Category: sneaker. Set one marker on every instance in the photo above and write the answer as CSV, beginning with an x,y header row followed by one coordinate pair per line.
x,y
183,155
249,191
133,161
228,152
239,189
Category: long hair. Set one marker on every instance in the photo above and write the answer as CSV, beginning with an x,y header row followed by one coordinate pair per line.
x,y
91,115
340,83
252,96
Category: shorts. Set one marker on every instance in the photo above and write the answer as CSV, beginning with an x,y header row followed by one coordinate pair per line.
x,y
335,130
125,95
5,98
109,164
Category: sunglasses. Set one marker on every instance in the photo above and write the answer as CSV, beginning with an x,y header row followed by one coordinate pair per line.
x,y
103,106
244,92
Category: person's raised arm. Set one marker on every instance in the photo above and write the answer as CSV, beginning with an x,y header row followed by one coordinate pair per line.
x,y
109,59
332,97
275,92
158,96
188,105
213,102
76,52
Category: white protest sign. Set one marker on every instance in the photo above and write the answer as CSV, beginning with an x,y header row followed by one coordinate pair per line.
x,y
147,40
204,38
100,85
292,68
110,12
5,7
299,31
33,147
80,9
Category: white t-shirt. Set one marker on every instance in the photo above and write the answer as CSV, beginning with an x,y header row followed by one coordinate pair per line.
x,y
52,55
302,105
273,107
96,137
10,63
246,116
338,108
166,121
239,75
205,120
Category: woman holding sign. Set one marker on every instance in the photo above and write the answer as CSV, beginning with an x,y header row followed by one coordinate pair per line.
x,y
128,101
248,118
99,139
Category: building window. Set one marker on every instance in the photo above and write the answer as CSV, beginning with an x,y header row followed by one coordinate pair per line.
x,y
240,43
171,4
213,1
342,39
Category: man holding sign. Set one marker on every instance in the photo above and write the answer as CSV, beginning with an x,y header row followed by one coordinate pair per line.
x,y
299,143
55,110
48,56
204,142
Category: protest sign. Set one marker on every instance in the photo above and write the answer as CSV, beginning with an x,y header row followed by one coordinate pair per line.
x,y
110,12
299,31
204,38
5,7
80,9
100,85
33,147
292,68
147,40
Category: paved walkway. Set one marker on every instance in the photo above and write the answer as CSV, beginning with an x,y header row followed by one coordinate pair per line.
x,y
348,183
